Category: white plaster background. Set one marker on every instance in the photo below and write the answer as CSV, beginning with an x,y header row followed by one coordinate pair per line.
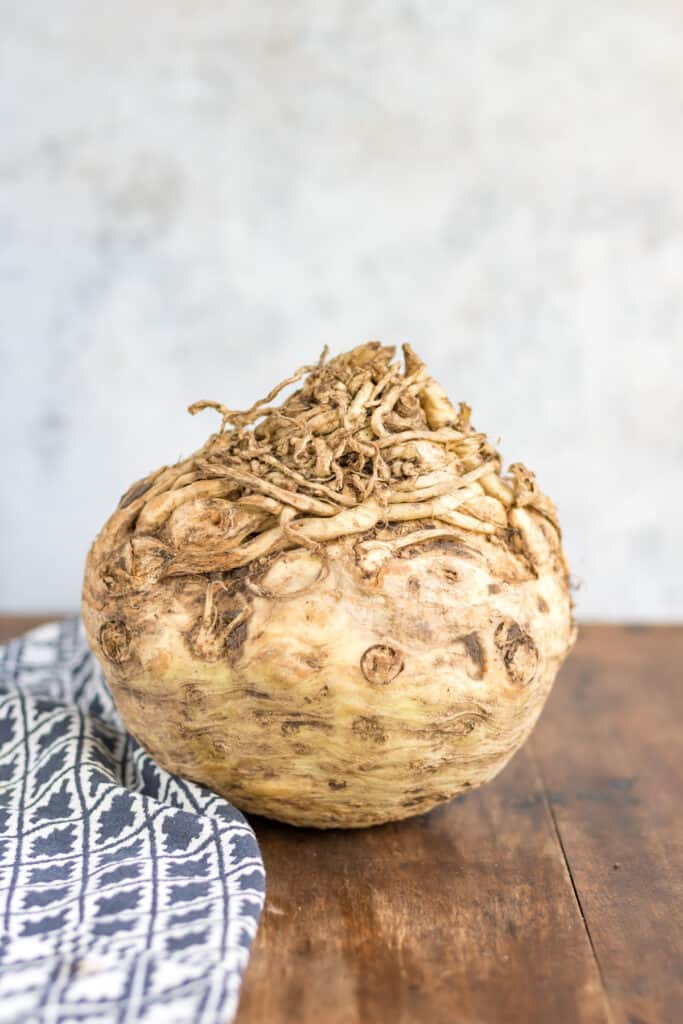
x,y
195,196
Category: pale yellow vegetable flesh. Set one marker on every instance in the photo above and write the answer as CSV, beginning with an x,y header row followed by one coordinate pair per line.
x,y
337,613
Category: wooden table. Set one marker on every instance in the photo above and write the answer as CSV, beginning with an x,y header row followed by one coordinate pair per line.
x,y
554,895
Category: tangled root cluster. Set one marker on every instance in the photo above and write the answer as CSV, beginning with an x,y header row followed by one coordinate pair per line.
x,y
285,571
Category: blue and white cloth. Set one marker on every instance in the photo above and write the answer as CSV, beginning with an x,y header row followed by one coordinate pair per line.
x,y
126,894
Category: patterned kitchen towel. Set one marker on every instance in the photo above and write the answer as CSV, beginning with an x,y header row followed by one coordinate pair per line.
x,y
126,893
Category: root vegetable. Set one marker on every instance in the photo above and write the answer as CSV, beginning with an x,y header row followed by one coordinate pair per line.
x,y
338,612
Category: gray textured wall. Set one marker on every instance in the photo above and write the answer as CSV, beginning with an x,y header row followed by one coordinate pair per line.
x,y
195,196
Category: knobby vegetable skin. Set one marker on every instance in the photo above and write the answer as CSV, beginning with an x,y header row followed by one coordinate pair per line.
x,y
338,612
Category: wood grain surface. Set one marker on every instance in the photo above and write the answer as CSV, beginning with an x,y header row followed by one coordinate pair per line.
x,y
554,894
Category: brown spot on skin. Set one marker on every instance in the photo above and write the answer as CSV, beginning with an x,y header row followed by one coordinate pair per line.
x,y
134,492
451,575
149,559
475,650
159,663
212,642
413,585
465,725
115,641
494,588
236,637
323,692
292,725
543,605
380,664
288,728
444,545
514,541
313,661
519,652
240,573
456,723
513,538
367,727
194,698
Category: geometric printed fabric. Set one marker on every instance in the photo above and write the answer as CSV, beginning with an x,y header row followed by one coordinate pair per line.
x,y
126,894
